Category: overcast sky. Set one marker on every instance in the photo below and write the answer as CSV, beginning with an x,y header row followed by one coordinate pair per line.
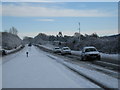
x,y
31,18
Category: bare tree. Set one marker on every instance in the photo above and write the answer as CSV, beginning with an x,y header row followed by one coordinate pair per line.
x,y
13,30
94,35
60,34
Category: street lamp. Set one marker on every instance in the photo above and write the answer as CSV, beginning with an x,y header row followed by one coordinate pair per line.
x,y
79,31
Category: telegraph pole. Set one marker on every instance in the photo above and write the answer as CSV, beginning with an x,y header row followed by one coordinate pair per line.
x,y
79,31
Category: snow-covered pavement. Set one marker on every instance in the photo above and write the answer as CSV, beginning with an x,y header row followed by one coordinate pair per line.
x,y
39,71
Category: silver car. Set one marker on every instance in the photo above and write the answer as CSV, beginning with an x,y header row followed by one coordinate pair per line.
x,y
90,53
56,50
65,50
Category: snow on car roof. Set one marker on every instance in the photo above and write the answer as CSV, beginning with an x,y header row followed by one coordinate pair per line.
x,y
89,47
56,47
65,47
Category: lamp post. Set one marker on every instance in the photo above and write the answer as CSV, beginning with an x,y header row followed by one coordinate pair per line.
x,y
79,32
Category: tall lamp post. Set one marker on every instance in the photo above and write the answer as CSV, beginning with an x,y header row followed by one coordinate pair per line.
x,y
79,32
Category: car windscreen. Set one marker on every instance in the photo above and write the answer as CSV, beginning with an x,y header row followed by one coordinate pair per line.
x,y
57,48
90,50
65,48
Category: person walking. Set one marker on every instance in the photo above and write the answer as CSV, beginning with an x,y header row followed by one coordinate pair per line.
x,y
27,54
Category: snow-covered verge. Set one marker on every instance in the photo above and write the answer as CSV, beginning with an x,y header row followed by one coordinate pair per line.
x,y
8,52
12,50
46,48
97,77
78,53
110,56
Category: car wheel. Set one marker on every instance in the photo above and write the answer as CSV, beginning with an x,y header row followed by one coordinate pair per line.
x,y
62,53
81,58
84,58
99,58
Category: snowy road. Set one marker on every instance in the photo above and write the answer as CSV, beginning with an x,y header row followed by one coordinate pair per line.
x,y
39,71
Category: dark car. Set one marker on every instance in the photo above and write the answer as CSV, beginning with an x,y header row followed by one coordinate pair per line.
x,y
30,44
4,52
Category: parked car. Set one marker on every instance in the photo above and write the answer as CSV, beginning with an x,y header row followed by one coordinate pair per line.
x,y
65,50
56,50
29,44
4,52
90,53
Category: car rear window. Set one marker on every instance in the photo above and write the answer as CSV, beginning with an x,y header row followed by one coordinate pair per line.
x,y
57,48
90,50
65,48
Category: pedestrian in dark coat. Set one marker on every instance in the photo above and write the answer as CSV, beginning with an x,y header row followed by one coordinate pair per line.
x,y
27,54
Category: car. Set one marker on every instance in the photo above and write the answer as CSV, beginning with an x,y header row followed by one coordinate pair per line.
x,y
90,53
29,44
65,50
56,50
4,52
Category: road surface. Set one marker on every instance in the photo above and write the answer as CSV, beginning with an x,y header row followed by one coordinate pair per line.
x,y
38,71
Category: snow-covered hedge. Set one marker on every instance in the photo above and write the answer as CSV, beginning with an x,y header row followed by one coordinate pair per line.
x,y
110,56
12,50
